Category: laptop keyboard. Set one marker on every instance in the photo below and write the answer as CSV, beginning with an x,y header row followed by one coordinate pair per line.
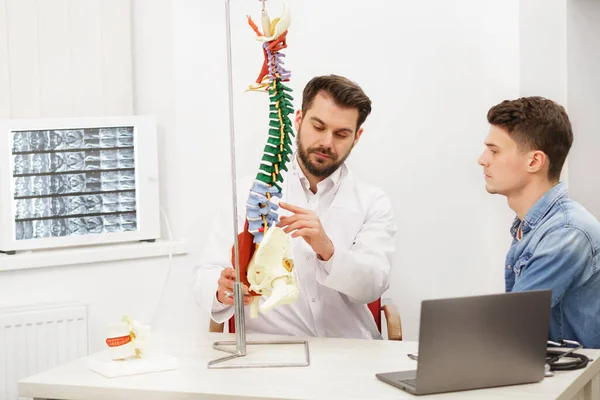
x,y
412,382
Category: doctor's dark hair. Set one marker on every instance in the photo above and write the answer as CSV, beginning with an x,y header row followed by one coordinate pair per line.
x,y
536,123
344,92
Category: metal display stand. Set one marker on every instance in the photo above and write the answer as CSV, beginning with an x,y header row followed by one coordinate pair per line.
x,y
237,348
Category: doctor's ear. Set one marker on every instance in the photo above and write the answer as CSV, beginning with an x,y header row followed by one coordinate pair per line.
x,y
358,135
298,120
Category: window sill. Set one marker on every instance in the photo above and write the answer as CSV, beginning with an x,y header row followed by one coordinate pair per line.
x,y
90,254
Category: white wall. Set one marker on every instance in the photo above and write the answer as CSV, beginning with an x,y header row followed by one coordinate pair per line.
x,y
583,42
62,58
543,49
432,69
559,41
543,53
103,58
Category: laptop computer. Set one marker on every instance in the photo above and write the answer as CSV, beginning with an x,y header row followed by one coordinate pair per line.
x,y
478,342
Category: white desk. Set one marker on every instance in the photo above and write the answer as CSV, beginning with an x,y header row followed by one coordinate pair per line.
x,y
339,368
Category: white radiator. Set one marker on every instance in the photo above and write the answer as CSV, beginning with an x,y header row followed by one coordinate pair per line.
x,y
37,338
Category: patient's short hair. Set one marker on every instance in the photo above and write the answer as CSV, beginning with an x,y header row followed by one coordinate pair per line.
x,y
536,123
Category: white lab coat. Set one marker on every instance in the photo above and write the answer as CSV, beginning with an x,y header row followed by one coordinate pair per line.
x,y
358,218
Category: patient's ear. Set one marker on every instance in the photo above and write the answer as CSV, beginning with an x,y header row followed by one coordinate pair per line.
x,y
538,161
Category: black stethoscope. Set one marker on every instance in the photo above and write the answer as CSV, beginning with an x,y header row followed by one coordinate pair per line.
x,y
558,360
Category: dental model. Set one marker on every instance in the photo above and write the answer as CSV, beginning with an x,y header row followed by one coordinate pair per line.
x,y
265,263
126,339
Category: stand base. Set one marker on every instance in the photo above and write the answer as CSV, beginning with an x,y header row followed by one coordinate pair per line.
x,y
214,364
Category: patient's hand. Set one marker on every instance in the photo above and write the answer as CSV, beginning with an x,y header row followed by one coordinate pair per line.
x,y
307,224
225,289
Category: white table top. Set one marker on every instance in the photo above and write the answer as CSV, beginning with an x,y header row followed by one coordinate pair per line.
x,y
339,368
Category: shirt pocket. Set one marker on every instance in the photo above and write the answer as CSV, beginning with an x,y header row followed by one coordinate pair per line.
x,y
521,264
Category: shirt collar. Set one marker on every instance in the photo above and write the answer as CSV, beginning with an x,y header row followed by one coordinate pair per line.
x,y
539,209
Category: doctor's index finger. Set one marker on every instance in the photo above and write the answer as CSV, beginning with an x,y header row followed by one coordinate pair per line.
x,y
292,208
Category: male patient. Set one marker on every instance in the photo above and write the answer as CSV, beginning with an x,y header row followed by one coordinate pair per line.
x,y
341,229
556,242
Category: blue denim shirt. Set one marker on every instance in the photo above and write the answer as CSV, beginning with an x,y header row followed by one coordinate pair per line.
x,y
559,250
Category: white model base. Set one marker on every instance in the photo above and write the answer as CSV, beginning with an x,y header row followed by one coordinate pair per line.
x,y
104,365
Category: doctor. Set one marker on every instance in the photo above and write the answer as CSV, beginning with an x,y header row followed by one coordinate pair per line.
x,y
342,229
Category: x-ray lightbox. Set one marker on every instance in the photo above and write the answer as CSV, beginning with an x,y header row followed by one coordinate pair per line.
x,y
78,181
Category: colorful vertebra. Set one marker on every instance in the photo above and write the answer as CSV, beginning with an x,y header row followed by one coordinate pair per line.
x,y
261,211
265,259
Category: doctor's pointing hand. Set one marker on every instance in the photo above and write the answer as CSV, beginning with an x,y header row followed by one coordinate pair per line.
x,y
306,223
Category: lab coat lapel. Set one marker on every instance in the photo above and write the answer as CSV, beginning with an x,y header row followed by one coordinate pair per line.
x,y
344,218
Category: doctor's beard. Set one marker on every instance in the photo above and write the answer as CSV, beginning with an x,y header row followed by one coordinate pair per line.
x,y
317,169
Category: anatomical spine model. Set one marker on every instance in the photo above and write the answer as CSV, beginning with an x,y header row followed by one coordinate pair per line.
x,y
265,263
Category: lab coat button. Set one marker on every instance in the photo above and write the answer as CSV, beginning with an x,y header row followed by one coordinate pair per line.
x,y
313,299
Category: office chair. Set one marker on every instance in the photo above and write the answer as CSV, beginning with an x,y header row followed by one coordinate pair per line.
x,y
390,313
